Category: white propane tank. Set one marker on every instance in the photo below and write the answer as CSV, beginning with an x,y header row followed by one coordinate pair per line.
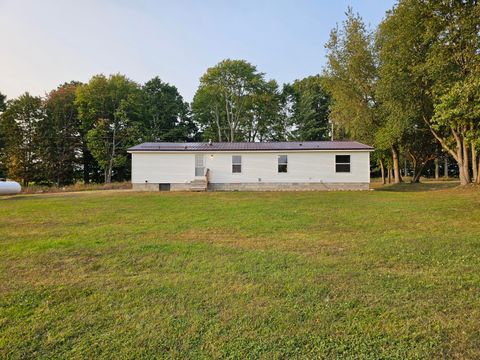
x,y
9,187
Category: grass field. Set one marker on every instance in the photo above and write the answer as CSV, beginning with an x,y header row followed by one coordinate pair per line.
x,y
379,274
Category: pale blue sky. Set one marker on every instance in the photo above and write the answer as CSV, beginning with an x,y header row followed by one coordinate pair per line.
x,y
45,43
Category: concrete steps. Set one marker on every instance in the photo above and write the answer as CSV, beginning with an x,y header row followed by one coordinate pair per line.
x,y
198,185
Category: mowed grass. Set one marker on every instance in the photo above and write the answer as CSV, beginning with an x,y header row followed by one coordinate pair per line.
x,y
379,274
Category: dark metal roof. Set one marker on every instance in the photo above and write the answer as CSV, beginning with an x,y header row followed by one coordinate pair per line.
x,y
252,146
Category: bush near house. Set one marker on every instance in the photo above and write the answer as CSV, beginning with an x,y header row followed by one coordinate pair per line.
x,y
40,189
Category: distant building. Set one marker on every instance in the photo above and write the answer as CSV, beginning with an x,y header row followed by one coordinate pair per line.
x,y
242,166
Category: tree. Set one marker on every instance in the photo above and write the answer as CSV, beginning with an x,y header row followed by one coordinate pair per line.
x,y
3,99
310,108
404,99
209,114
166,114
59,136
350,77
109,110
452,66
19,125
2,141
222,101
263,118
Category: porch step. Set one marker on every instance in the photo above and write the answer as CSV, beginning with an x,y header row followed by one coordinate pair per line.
x,y
198,185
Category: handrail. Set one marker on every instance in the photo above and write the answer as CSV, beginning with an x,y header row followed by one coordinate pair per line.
x,y
207,173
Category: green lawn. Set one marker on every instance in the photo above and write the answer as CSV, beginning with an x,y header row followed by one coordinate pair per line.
x,y
379,274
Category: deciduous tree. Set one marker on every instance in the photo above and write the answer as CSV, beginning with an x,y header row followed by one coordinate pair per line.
x,y
59,136
19,123
452,66
224,96
264,120
109,109
166,115
351,75
2,141
404,99
309,109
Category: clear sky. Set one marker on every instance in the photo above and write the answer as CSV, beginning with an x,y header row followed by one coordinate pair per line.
x,y
45,43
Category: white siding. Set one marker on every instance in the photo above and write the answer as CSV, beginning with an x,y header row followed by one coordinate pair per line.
x,y
163,168
315,166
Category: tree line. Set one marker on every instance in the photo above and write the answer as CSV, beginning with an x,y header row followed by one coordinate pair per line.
x,y
410,88
81,132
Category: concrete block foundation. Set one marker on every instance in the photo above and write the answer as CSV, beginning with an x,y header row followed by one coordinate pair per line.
x,y
260,186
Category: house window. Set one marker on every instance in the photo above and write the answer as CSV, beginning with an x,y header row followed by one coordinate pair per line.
x,y
342,163
199,165
236,164
282,163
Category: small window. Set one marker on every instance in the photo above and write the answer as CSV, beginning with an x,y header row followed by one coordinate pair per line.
x,y
342,163
282,163
236,164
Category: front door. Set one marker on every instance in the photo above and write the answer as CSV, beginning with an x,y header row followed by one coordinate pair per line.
x,y
199,165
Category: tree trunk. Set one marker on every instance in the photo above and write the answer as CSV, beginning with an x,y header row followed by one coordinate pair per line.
x,y
217,121
86,160
418,173
108,175
414,164
445,167
457,154
389,175
437,169
466,168
396,167
230,121
464,178
461,172
474,163
478,171
382,170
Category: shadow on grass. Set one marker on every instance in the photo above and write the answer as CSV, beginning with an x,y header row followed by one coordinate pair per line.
x,y
423,186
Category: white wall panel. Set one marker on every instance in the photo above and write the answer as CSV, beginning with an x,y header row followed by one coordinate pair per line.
x,y
316,166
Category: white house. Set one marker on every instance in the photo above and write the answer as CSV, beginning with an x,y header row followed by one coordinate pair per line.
x,y
308,165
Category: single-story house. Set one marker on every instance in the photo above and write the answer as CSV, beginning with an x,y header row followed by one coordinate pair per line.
x,y
256,166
